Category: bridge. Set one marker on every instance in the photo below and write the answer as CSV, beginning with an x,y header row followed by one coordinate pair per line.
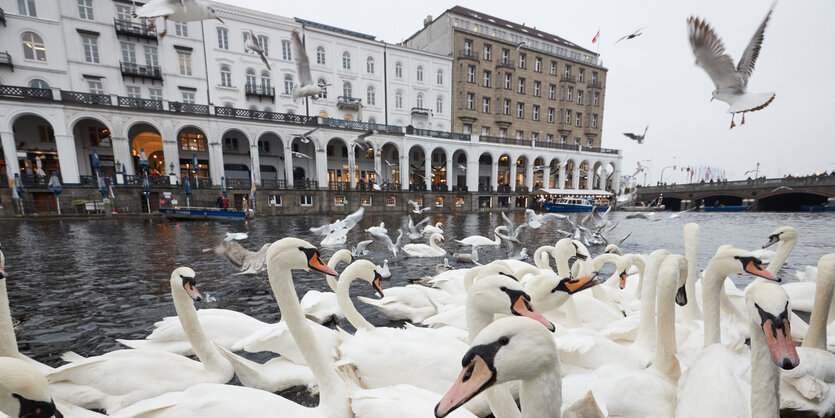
x,y
780,194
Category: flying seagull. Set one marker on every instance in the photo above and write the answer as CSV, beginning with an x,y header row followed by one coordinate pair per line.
x,y
306,87
252,45
361,141
304,138
417,209
176,10
636,137
731,83
300,154
521,44
632,35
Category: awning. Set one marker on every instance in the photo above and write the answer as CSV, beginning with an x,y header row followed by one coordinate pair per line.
x,y
575,192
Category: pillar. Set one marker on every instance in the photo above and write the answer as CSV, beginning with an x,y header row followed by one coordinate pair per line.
x,y
321,172
494,175
616,179
472,175
65,145
121,153
451,169
513,174
561,174
171,153
216,162
404,170
10,154
529,176
590,178
575,177
255,158
378,166
288,166
603,176
352,168
427,169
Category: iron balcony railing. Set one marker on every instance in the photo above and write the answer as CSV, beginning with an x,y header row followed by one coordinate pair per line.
x,y
420,111
390,187
440,188
273,184
468,54
26,93
6,59
504,188
411,130
505,64
601,150
417,187
459,188
485,188
231,112
188,108
238,184
508,141
135,29
568,78
139,103
260,91
86,98
595,85
305,184
365,126
339,185
349,103
148,72
557,145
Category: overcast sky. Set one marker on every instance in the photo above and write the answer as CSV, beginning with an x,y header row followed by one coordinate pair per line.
x,y
653,80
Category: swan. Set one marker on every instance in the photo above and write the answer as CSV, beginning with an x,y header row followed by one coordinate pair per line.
x,y
484,241
423,250
434,229
510,349
541,257
691,253
119,378
385,273
24,391
470,258
613,249
319,306
810,387
710,390
378,229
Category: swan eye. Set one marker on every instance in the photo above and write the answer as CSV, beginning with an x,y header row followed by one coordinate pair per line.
x,y
503,289
504,341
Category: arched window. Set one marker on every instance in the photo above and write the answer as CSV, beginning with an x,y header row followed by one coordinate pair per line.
x,y
440,77
320,55
398,70
323,114
369,65
266,81
372,120
346,90
225,76
419,101
324,93
33,46
439,105
398,100
250,79
346,60
420,73
288,84
38,84
372,96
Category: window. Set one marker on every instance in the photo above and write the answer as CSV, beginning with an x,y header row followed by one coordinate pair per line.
x,y
535,136
487,53
506,107
570,92
468,47
306,200
250,79
521,89
27,7
439,105
371,98
181,29
184,59
470,101
123,13
398,70
581,74
151,56
485,130
550,115
133,91
391,201
419,73
95,86
594,77
505,56
522,60
369,65
398,100
590,143
552,91
553,68
578,119
155,93
275,200
266,81
264,43
128,52
568,116
440,78
346,60
485,105
520,110
596,100
508,79
365,200
91,48
537,65
567,71
321,82
188,97
439,202
535,113
34,48
537,86
287,52
225,76
549,138
470,74
38,84
580,97
520,134
85,9
485,79
346,90
502,132
320,54
190,141
576,141
263,147
564,139
467,128
419,101
222,38
594,120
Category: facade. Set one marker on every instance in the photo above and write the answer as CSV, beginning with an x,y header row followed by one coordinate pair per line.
x,y
79,77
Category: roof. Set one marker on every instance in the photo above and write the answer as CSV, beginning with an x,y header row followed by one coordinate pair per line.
x,y
335,29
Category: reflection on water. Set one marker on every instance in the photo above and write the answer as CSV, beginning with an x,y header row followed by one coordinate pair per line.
x,y
78,285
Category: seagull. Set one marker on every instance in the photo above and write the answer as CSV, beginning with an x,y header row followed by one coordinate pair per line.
x,y
361,141
462,167
521,44
360,249
176,10
415,231
390,164
306,88
336,233
252,45
638,169
305,137
250,262
467,258
632,35
378,229
636,137
540,167
394,247
535,220
299,154
731,83
416,208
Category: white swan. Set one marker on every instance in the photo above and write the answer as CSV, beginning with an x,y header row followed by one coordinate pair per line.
x,y
434,229
506,350
24,391
691,253
321,307
385,273
423,250
119,378
484,241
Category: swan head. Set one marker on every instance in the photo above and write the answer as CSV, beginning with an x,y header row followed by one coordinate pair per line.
x,y
184,278
676,265
613,249
365,270
737,261
511,348
768,307
582,251
437,237
783,233
293,253
497,294
573,285
568,248
24,391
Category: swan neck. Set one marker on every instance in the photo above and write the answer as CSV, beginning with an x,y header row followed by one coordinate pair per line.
x,y
541,258
541,396
477,318
343,298
572,318
665,342
765,381
501,402
816,335
203,347
782,254
711,290
691,254
561,259
8,342
646,326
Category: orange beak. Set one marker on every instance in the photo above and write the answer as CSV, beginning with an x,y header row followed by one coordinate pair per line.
x,y
771,241
523,307
622,281
475,377
377,284
757,270
315,262
192,291
574,285
780,344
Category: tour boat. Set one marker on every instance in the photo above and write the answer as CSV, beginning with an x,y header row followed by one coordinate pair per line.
x,y
723,208
641,208
572,204
198,213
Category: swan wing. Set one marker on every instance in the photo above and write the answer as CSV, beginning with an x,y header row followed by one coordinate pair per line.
x,y
746,63
302,65
710,55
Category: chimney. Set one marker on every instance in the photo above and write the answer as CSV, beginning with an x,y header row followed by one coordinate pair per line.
x,y
427,21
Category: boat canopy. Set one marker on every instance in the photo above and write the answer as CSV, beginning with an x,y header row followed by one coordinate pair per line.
x,y
575,192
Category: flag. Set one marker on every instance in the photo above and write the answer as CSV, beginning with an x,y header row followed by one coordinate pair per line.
x,y
596,37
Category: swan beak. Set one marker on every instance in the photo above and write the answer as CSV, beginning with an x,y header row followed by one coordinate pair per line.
x,y
523,307
315,262
2,273
622,281
581,256
443,242
192,291
574,285
780,343
376,283
476,376
757,270
772,240
681,296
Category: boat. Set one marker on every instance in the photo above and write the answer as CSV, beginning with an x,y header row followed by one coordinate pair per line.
x,y
817,208
573,204
724,208
199,213
640,208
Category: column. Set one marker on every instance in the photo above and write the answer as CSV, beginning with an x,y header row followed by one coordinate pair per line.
x,y
603,176
10,154
427,169
494,175
288,166
378,166
575,177
590,178
561,174
121,153
451,170
171,155
472,175
352,168
404,170
215,162
321,168
66,158
616,180
512,174
255,159
529,176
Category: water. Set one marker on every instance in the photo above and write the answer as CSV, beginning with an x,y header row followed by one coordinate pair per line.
x,y
78,285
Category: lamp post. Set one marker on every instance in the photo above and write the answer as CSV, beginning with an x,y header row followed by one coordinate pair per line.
x,y
661,180
756,171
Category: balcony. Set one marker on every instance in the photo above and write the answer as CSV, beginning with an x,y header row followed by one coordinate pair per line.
x,y
86,98
188,108
437,134
363,126
147,72
273,184
6,59
568,78
503,120
2,17
556,145
139,30
419,111
231,112
259,91
601,150
595,85
468,54
348,103
27,93
507,141
139,103
505,64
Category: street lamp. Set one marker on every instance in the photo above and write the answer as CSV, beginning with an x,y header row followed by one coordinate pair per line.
x,y
756,172
661,180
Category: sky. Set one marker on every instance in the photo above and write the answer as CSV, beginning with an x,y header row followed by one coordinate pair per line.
x,y
653,81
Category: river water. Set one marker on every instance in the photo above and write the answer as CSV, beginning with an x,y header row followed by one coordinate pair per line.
x,y
80,284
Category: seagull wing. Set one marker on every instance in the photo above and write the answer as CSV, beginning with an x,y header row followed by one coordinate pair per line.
x,y
264,60
254,40
752,51
414,205
361,247
352,219
710,55
159,8
622,38
322,230
630,135
623,239
302,65
233,252
423,223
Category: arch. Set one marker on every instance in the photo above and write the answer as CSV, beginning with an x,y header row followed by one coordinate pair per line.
x,y
610,175
417,167
569,174
504,172
13,117
38,83
457,174
790,201
485,171
597,176
302,162
34,139
522,163
338,163
92,133
553,173
585,175
271,159
439,169
540,173
191,142
237,158
143,136
390,163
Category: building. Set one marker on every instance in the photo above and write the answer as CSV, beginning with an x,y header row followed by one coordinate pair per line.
x,y
82,76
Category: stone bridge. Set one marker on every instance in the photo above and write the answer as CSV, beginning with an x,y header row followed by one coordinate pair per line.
x,y
780,194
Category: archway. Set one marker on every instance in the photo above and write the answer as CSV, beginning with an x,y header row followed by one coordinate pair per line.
x,y
390,167
793,201
440,182
143,136
338,164
554,174
485,172
597,176
504,173
610,176
91,134
569,174
540,173
417,168
585,175
192,144
458,172
237,159
271,161
35,140
521,172
364,167
303,164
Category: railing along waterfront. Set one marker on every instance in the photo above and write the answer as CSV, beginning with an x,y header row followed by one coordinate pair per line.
x,y
743,184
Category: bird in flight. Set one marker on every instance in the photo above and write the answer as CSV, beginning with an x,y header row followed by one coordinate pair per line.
x,y
521,44
252,45
636,137
176,10
632,35
731,83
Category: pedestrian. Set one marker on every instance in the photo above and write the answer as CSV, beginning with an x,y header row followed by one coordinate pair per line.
x,y
219,200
